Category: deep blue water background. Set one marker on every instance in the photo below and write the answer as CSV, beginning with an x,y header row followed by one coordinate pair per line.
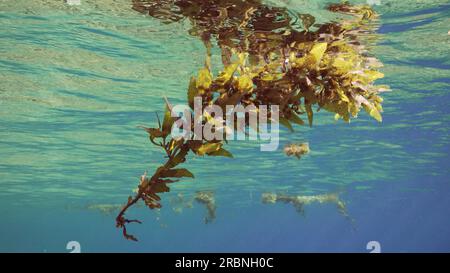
x,y
75,83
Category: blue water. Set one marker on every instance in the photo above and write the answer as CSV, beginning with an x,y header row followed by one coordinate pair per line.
x,y
76,81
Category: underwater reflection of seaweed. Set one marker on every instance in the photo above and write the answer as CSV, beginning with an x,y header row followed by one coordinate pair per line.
x,y
300,201
207,198
254,27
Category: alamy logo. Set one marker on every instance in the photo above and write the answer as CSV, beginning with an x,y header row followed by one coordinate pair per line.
x,y
74,246
374,247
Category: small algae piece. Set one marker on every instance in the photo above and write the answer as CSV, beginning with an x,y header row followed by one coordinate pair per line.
x,y
107,209
207,198
179,202
269,198
297,150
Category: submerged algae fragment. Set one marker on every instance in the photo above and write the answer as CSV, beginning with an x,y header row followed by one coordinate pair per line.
x,y
297,150
103,208
179,202
300,201
107,209
267,60
207,198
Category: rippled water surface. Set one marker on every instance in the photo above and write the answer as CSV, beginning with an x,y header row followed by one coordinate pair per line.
x,y
75,81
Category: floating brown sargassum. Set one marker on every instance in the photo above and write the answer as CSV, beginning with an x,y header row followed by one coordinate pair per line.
x,y
270,56
297,150
207,198
300,201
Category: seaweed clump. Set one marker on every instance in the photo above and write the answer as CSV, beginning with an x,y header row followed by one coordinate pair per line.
x,y
297,150
270,56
